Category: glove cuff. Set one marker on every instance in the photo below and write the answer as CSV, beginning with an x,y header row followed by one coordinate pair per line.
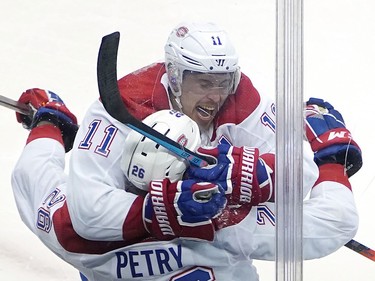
x,y
333,172
68,127
350,156
45,131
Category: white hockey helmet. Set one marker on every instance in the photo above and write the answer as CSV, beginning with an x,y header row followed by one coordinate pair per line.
x,y
199,47
143,160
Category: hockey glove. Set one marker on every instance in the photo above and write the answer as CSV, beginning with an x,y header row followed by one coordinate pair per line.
x,y
330,141
245,177
48,106
173,210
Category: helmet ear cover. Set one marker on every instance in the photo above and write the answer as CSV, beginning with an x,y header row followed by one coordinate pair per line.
x,y
174,78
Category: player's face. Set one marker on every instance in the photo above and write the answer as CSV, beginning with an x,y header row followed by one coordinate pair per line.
x,y
203,94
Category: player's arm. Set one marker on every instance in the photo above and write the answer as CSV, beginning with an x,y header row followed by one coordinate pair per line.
x,y
338,157
98,201
178,209
330,216
246,177
99,206
40,168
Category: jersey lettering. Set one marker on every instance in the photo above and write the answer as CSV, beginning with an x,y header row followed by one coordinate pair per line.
x,y
145,263
104,147
43,220
176,113
53,198
197,273
87,141
264,215
269,120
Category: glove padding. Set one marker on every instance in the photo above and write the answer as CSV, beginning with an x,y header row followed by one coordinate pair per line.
x,y
48,106
182,209
245,177
330,141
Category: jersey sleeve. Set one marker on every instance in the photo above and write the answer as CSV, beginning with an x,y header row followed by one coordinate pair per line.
x,y
38,171
330,218
99,205
329,212
40,193
256,129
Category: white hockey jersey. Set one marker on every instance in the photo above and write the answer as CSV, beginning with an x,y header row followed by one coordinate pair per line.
x,y
100,209
84,217
39,186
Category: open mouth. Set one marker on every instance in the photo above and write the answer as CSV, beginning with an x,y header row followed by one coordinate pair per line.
x,y
206,112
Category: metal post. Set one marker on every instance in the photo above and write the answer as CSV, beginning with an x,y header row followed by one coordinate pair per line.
x,y
289,134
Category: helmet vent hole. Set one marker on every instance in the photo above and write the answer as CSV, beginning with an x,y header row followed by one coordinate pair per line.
x,y
144,154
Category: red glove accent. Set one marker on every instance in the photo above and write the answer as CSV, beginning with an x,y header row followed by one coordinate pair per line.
x,y
324,130
329,138
48,106
36,98
245,177
175,209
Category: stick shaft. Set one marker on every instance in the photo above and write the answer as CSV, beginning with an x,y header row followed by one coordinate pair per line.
x,y
361,249
15,105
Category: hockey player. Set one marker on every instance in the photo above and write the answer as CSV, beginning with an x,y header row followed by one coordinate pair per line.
x,y
40,192
330,217
201,78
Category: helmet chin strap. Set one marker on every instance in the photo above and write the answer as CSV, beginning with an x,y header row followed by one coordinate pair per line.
x,y
176,97
178,102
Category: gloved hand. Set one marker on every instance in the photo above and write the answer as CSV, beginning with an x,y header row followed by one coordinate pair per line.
x,y
182,209
330,141
48,106
246,178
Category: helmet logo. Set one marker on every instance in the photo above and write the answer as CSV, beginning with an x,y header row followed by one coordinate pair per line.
x,y
220,62
182,140
182,31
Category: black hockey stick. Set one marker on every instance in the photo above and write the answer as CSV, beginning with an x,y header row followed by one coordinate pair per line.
x,y
111,99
